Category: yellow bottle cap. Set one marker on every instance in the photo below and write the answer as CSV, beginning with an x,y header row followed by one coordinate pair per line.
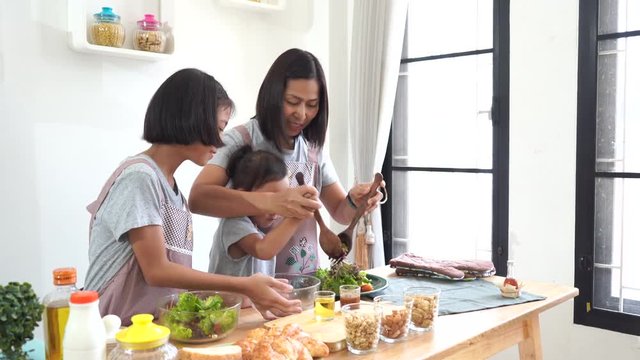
x,y
143,334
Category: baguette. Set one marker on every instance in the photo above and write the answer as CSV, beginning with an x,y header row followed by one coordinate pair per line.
x,y
226,352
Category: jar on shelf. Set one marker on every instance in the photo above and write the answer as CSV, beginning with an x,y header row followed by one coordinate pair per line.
x,y
106,29
149,35
143,340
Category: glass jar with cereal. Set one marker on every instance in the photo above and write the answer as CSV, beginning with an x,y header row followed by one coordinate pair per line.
x,y
362,326
106,29
424,311
149,35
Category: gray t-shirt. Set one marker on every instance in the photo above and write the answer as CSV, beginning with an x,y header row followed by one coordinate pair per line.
x,y
229,232
233,140
134,201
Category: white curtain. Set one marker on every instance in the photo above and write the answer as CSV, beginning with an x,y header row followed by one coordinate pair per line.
x,y
376,48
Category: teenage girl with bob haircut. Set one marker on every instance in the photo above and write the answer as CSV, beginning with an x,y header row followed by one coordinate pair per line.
x,y
292,112
141,237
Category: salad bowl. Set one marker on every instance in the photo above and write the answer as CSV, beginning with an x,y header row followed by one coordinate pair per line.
x,y
200,316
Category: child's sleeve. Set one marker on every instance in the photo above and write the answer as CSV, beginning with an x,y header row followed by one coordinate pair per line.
x,y
233,230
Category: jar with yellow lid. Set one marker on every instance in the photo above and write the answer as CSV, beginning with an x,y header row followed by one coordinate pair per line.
x,y
143,340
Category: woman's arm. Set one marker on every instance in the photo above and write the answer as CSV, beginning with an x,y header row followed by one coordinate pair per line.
x,y
335,200
269,246
148,246
209,196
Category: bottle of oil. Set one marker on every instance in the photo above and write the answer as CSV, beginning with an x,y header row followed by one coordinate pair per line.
x,y
56,312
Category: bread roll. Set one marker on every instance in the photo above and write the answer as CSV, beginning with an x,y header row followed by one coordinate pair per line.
x,y
226,352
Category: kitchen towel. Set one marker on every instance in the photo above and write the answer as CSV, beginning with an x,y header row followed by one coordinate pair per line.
x,y
459,296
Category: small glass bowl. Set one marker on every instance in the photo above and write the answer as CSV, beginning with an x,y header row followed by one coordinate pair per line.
x,y
424,312
396,316
362,326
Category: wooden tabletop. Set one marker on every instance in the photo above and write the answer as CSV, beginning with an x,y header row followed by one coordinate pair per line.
x,y
472,335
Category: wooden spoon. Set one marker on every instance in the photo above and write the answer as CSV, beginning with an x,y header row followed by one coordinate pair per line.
x,y
329,241
346,235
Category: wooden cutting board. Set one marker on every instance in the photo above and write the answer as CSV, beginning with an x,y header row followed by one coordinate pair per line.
x,y
331,332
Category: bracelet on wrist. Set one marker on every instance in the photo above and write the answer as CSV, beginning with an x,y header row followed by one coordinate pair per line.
x,y
351,202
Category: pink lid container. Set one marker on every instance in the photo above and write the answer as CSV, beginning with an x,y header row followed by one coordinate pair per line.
x,y
149,23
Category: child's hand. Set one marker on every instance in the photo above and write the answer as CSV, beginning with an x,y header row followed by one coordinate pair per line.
x,y
265,292
299,202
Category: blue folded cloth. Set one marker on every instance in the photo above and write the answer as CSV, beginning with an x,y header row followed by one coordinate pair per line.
x,y
460,296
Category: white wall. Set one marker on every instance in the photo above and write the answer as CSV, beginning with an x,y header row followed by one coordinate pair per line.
x,y
544,53
68,118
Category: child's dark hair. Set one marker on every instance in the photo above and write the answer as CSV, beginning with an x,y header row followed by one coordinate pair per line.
x,y
290,65
183,110
249,169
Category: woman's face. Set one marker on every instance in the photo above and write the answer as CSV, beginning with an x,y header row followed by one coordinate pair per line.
x,y
266,221
223,114
301,104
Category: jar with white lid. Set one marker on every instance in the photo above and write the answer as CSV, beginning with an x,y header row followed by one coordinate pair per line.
x,y
143,340
149,35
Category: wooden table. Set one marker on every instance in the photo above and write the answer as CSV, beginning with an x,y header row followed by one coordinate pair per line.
x,y
473,335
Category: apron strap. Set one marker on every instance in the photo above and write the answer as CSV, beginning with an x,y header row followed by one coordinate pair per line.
x,y
95,206
244,132
313,158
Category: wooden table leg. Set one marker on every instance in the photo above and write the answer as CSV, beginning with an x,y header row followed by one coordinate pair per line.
x,y
531,347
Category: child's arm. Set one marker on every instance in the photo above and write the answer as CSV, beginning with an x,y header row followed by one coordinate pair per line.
x,y
148,246
269,246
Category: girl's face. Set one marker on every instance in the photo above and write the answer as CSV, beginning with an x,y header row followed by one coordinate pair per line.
x,y
199,153
266,221
223,114
301,104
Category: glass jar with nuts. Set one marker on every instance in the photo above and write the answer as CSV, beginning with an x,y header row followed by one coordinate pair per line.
x,y
149,35
107,29
362,326
424,311
396,314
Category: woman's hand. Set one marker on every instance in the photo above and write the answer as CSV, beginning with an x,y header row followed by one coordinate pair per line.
x,y
299,202
359,192
265,292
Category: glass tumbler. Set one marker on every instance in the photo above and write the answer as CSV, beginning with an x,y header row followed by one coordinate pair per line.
x,y
424,312
349,294
396,315
324,304
362,326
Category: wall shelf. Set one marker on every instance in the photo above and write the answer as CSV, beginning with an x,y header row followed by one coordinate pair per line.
x,y
251,5
79,16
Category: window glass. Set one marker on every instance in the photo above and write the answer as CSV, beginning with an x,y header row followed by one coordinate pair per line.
x,y
448,215
618,16
618,110
448,104
607,279
617,237
439,27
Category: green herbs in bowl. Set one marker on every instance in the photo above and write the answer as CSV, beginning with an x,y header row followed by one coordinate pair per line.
x,y
343,273
200,316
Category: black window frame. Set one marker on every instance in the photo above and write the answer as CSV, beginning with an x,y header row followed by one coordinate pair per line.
x,y
586,173
500,161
